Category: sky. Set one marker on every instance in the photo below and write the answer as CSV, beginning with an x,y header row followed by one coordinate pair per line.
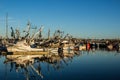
x,y
79,18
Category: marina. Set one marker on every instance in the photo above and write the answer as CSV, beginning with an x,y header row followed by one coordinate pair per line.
x,y
59,56
59,39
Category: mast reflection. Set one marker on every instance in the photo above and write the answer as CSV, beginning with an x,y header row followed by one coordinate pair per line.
x,y
30,65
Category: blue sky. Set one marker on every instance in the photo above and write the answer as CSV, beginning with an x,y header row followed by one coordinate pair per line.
x,y
80,18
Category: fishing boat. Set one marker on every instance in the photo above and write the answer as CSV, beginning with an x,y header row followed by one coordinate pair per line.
x,y
110,46
22,46
82,47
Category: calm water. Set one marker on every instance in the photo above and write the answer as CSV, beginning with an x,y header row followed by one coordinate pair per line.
x,y
93,65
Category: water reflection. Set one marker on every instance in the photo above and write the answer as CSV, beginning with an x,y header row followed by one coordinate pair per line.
x,y
36,67
30,65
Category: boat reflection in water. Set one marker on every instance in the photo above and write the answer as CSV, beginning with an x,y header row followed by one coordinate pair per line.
x,y
92,64
30,65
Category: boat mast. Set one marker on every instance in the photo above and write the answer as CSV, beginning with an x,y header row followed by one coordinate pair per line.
x,y
48,34
7,26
